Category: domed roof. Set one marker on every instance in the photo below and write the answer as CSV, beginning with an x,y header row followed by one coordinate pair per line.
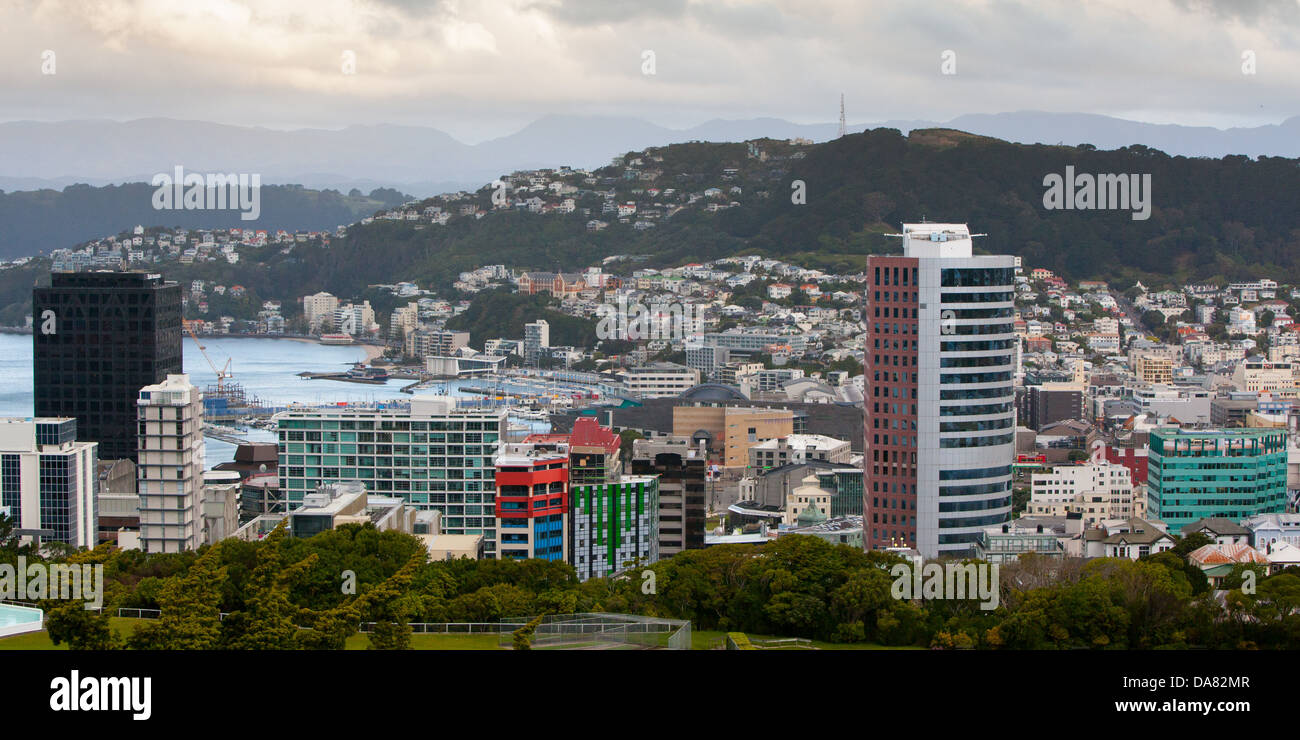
x,y
714,392
810,515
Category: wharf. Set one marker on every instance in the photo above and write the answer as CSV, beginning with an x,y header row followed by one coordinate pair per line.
x,y
340,376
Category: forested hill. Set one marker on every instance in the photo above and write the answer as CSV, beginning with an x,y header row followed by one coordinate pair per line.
x,y
1228,218
35,221
1231,217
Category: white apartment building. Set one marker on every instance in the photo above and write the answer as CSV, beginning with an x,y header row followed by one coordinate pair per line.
x,y
1097,491
733,373
661,379
170,465
1241,321
48,480
1106,325
318,309
749,342
354,318
220,505
1257,375
404,320
798,448
537,336
502,347
766,379
706,359
1212,353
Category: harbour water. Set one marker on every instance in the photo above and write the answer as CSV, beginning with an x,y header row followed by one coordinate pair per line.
x,y
267,368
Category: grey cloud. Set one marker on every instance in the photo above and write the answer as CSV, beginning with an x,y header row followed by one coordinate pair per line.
x,y
599,12
410,7
1255,12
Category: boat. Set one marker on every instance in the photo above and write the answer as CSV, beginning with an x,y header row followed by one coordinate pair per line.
x,y
361,372
336,339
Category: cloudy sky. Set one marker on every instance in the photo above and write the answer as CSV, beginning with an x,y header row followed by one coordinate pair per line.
x,y
483,68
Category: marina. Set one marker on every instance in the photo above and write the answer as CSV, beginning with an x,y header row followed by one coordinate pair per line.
x,y
264,382
250,379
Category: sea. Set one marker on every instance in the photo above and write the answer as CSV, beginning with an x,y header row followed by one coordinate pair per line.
x,y
267,368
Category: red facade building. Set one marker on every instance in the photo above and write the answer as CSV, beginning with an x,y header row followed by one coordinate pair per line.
x,y
532,501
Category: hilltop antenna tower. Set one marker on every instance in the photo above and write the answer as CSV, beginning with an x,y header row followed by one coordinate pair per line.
x,y
843,127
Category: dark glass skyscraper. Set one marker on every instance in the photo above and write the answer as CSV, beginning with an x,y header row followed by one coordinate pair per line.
x,y
99,338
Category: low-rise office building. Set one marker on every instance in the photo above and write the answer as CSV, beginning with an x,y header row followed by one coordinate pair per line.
x,y
48,481
1005,543
797,448
661,379
332,505
843,530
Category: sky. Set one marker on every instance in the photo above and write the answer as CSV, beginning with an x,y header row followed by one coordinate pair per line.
x,y
484,68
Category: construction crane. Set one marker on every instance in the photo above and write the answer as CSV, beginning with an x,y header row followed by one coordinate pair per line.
x,y
222,373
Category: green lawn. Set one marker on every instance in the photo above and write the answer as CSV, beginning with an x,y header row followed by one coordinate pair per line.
x,y
700,640
41,640
438,642
706,639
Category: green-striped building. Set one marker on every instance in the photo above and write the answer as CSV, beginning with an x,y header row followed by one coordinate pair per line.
x,y
614,524
1230,473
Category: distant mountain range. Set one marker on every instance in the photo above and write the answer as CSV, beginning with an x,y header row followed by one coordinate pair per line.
x,y
425,161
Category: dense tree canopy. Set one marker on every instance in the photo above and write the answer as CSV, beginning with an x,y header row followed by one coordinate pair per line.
x,y
287,593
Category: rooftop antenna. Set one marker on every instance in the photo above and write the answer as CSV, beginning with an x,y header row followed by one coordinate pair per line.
x,y
843,128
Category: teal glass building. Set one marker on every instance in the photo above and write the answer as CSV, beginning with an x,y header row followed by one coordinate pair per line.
x,y
426,452
1230,473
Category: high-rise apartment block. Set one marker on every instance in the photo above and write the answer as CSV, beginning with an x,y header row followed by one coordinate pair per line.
x,y
318,310
170,465
537,336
